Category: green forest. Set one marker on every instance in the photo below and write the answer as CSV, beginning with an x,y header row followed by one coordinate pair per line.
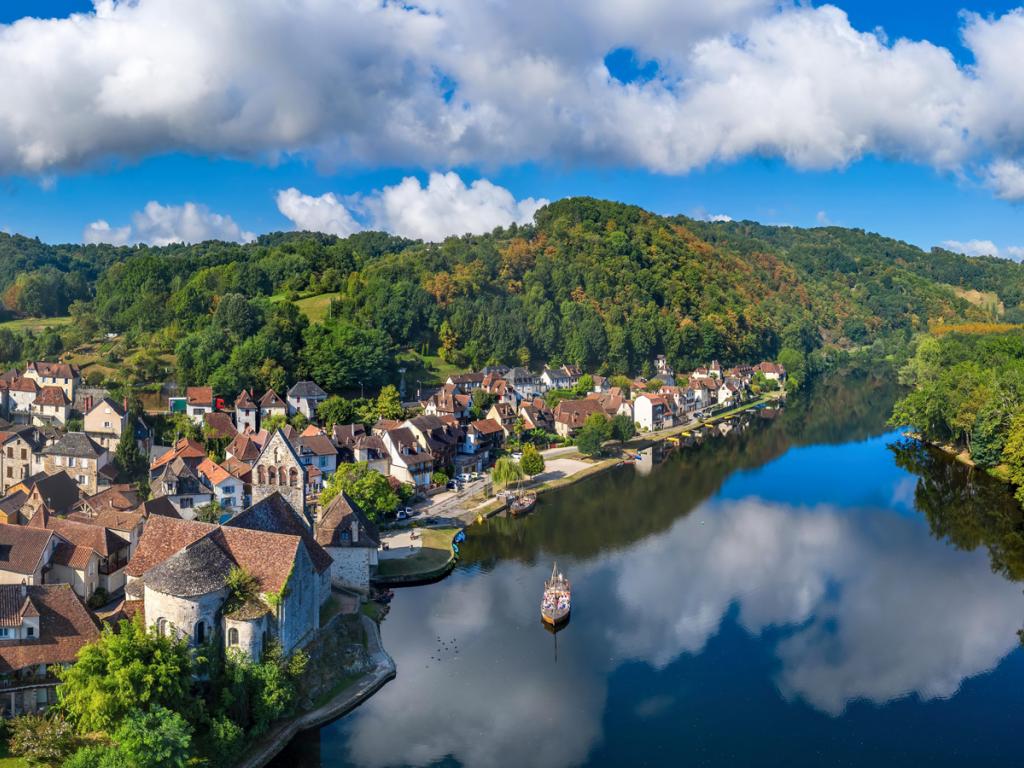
x,y
595,283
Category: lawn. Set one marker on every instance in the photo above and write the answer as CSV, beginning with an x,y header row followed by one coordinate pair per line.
x,y
426,369
313,307
34,324
432,556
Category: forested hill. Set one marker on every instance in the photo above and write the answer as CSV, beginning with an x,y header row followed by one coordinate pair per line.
x,y
598,283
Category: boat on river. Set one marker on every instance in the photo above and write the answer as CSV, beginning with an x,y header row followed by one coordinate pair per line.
x,y
522,503
557,600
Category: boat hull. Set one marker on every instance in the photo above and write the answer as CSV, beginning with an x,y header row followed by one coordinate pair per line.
x,y
555,618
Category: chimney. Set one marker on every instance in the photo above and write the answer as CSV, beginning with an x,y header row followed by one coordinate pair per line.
x,y
24,588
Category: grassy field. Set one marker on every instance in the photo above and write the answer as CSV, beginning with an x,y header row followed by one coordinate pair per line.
x,y
313,307
431,370
35,324
433,555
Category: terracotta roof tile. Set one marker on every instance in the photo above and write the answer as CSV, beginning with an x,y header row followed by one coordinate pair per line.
x,y
22,547
65,625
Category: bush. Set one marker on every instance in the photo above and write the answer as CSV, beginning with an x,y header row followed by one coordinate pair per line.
x,y
440,478
99,598
42,740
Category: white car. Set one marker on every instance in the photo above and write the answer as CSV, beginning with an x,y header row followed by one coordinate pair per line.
x,y
517,455
465,478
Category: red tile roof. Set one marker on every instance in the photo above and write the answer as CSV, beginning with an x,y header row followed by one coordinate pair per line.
x,y
200,396
65,625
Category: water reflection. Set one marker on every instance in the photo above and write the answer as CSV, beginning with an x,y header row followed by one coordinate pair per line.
x,y
743,593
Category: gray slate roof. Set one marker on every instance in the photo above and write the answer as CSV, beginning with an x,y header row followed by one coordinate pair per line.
x,y
198,569
306,389
77,444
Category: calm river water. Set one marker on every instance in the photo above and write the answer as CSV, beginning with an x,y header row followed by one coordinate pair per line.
x,y
811,590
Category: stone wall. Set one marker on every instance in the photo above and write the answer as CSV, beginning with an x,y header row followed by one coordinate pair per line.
x,y
279,470
183,613
299,615
351,568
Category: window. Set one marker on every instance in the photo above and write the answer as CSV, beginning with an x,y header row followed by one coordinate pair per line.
x,y
107,425
323,461
30,631
186,503
232,636
200,632
161,626
4,632
24,454
228,489
81,480
71,461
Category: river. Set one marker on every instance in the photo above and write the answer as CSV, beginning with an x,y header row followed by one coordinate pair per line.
x,y
810,590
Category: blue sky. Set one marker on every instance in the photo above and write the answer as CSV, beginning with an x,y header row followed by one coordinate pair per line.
x,y
903,192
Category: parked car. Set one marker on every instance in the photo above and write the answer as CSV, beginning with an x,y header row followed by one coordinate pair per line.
x,y
465,477
402,514
517,455
453,485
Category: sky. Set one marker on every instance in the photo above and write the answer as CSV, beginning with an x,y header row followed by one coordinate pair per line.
x,y
180,120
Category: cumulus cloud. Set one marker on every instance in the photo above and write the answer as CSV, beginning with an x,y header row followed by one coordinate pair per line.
x,y
445,206
446,83
719,217
160,224
325,213
984,248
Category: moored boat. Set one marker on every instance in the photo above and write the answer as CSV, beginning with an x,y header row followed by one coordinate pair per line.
x,y
557,600
522,504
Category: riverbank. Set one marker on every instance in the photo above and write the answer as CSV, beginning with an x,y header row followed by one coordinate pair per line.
x,y
570,466
340,704
999,472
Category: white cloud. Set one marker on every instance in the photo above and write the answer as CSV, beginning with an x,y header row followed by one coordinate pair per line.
x,y
325,213
160,224
719,217
446,83
822,218
984,248
101,232
446,206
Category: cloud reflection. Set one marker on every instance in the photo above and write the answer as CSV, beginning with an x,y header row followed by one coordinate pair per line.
x,y
874,608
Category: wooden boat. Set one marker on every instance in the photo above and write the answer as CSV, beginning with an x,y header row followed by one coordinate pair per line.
x,y
557,600
522,504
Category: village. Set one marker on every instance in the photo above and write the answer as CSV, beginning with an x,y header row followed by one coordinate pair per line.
x,y
80,546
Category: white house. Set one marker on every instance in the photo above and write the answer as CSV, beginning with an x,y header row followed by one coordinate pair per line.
x,y
305,397
351,539
227,489
652,412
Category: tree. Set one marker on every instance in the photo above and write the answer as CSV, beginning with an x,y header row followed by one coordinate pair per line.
x,y
336,410
623,428
132,669
389,404
368,488
127,456
439,478
274,423
481,404
159,738
584,385
506,471
622,382
42,740
532,462
795,363
592,435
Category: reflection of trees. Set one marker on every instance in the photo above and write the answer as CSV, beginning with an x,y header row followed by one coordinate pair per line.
x,y
619,507
965,506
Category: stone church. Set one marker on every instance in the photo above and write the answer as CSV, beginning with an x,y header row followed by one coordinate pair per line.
x,y
279,470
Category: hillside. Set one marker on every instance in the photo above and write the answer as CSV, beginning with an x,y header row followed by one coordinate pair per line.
x,y
598,283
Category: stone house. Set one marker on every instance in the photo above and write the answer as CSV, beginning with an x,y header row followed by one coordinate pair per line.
x,y
438,437
351,540
247,412
305,397
51,407
505,415
537,415
183,487
466,382
483,440
50,495
22,394
651,412
26,553
570,415
526,383
189,451
60,375
41,628
105,422
227,489
82,457
410,463
20,455
89,557
272,405
316,449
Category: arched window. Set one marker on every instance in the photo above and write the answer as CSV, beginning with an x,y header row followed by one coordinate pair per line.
x,y
161,626
272,476
261,475
232,636
200,632
293,477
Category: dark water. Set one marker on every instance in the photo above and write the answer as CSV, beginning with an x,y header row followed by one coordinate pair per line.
x,y
807,591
